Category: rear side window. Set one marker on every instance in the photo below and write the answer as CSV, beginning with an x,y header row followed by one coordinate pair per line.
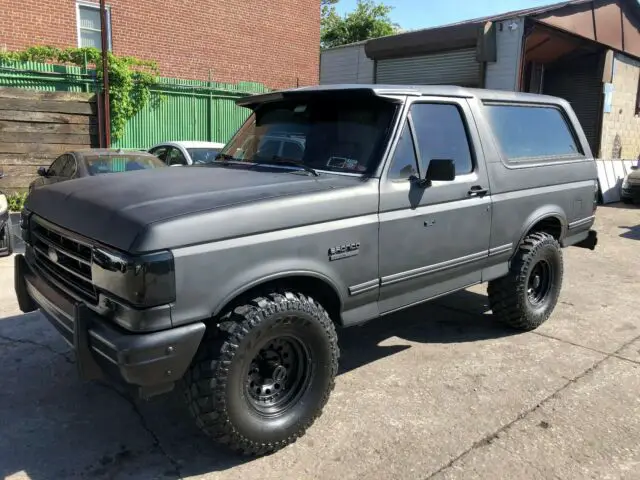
x,y
526,132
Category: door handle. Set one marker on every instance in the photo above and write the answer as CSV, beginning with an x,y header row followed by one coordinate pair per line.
x,y
477,191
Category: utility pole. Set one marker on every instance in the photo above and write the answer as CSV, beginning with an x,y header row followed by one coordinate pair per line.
x,y
105,73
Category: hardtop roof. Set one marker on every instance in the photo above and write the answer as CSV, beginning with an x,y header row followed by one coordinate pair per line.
x,y
408,90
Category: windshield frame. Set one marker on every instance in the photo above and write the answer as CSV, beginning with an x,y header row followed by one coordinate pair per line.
x,y
378,153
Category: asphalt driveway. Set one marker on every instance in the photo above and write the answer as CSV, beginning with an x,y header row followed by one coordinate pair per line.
x,y
440,391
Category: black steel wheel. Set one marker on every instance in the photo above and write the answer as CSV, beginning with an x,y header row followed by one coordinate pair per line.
x,y
278,375
262,377
527,295
540,282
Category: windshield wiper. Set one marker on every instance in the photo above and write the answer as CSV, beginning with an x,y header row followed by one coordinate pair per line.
x,y
290,163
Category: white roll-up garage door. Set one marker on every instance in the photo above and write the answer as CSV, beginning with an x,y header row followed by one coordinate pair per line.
x,y
456,67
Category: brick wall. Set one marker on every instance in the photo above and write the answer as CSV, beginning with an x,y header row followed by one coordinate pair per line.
x,y
621,127
275,43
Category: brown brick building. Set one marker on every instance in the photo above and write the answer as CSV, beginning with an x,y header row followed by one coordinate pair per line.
x,y
275,43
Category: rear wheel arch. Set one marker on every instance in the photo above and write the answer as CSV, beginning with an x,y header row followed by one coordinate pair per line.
x,y
554,223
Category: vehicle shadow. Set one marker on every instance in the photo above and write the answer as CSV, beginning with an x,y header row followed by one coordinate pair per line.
x,y
632,233
55,426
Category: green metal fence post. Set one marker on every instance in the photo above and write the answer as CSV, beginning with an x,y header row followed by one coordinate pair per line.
x,y
210,110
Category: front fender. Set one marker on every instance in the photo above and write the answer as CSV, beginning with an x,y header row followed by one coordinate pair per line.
x,y
259,276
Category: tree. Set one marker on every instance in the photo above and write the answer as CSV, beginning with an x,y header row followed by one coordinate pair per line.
x,y
368,20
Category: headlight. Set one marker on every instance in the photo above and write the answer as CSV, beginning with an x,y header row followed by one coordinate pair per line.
x,y
625,182
142,281
4,205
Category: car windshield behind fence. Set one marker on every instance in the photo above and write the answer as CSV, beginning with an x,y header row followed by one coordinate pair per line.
x,y
338,135
99,164
203,155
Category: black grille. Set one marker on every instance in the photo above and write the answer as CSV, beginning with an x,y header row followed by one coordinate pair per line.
x,y
64,258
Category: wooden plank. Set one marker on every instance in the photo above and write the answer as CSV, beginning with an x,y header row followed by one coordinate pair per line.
x,y
28,94
18,116
12,183
25,105
45,138
27,158
14,171
34,148
27,127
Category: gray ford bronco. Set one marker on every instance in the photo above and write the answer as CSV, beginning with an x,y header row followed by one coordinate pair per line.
x,y
229,280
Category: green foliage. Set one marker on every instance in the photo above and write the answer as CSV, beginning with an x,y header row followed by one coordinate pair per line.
x,y
130,79
368,20
16,201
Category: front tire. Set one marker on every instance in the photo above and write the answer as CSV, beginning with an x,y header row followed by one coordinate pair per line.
x,y
262,377
627,200
526,297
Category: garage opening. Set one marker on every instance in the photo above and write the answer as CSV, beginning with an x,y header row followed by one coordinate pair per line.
x,y
564,65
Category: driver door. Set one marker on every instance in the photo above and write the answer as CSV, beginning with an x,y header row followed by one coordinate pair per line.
x,y
433,239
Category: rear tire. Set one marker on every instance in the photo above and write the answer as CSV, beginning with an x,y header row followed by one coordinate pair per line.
x,y
262,377
627,201
526,297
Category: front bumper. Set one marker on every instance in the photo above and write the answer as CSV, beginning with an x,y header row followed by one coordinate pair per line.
x,y
153,362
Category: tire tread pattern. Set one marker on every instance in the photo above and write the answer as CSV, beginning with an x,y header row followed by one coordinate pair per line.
x,y
205,382
507,295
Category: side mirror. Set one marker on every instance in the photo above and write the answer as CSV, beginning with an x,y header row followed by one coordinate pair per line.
x,y
42,171
441,170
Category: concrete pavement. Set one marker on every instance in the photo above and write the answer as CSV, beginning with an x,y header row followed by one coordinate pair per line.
x,y
440,391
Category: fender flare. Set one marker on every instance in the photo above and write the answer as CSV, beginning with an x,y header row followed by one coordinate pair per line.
x,y
245,287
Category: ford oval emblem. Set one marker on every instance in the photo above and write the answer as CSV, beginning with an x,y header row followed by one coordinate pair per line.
x,y
53,255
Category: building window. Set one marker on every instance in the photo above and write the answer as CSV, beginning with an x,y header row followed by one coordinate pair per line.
x,y
89,25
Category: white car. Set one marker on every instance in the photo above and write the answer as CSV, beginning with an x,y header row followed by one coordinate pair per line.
x,y
177,154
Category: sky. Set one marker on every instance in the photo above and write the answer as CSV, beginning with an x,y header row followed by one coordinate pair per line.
x,y
414,14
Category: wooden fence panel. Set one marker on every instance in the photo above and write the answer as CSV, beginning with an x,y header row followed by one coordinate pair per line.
x,y
38,126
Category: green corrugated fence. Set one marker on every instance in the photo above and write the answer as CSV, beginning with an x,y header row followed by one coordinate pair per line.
x,y
178,110
188,110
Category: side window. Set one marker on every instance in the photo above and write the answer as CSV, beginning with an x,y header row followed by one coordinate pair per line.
x,y
175,157
532,131
69,167
269,149
56,167
441,134
160,152
404,163
292,151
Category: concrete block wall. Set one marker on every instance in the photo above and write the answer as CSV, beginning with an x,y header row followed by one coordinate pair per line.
x,y
621,126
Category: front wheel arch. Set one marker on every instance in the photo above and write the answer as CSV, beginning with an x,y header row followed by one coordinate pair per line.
x,y
310,283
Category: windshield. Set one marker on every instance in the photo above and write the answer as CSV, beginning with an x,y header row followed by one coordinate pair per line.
x,y
99,164
331,134
203,155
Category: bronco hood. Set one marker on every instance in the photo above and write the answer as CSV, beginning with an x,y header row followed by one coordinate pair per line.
x,y
116,208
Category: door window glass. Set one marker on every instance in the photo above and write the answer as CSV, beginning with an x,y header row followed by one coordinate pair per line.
x,y
441,134
69,167
404,163
175,157
56,167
